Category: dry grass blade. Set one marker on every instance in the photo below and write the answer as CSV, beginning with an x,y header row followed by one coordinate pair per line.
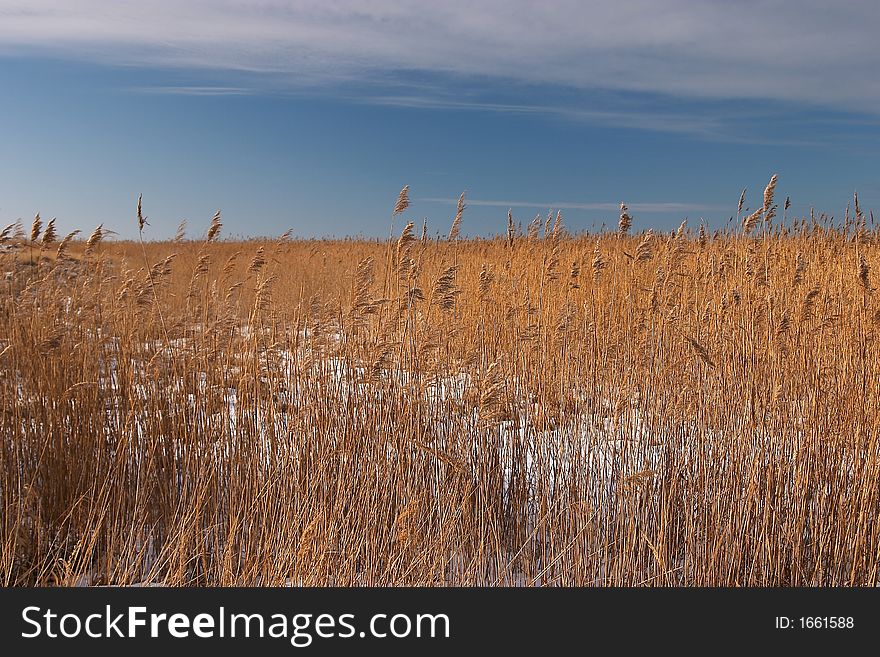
x,y
202,266
643,250
404,241
574,276
36,228
486,279
598,263
304,414
809,303
800,268
551,271
62,247
769,192
7,233
214,228
492,407
681,230
557,225
784,326
456,223
180,234
50,234
511,229
229,265
445,291
140,214
402,201
162,268
625,221
864,273
769,210
94,239
283,238
257,262
700,351
751,221
534,227
362,302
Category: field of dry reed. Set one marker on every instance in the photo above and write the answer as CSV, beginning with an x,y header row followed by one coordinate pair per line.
x,y
695,407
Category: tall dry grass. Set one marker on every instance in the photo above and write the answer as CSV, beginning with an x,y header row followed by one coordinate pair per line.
x,y
687,408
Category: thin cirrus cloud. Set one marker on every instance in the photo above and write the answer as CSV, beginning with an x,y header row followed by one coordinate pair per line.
x,y
195,91
653,120
810,52
646,207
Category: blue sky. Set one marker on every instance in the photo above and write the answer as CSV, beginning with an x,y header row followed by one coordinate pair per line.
x,y
312,115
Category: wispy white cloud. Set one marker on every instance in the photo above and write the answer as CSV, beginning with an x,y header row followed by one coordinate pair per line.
x,y
646,207
805,52
195,91
644,119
